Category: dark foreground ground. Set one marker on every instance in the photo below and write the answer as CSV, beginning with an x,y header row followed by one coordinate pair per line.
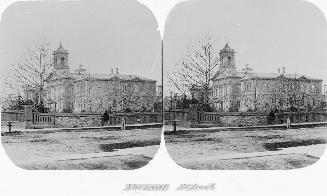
x,y
90,149
251,149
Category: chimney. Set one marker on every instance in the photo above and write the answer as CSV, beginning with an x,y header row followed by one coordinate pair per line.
x,y
112,71
278,70
283,70
117,72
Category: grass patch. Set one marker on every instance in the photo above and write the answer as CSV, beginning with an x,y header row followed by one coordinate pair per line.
x,y
176,132
266,137
12,133
131,144
102,138
136,164
253,163
39,140
276,145
106,163
207,140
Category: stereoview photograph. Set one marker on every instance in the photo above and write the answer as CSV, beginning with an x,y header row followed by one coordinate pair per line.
x,y
245,84
81,84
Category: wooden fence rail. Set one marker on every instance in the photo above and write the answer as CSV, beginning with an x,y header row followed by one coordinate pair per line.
x,y
43,118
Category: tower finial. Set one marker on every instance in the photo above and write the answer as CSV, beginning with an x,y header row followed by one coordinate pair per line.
x,y
226,40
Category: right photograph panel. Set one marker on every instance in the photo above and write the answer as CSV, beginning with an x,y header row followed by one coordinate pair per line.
x,y
245,84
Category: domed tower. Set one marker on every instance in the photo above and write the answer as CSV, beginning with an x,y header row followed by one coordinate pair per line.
x,y
60,57
227,59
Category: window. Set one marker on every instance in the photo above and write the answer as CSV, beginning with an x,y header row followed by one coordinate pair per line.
x,y
62,61
99,87
238,104
284,87
125,88
229,60
247,87
267,86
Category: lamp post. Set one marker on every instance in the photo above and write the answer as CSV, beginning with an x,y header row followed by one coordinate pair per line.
x,y
174,112
123,123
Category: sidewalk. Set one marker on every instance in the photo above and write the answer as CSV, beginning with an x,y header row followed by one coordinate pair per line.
x,y
147,151
20,127
168,128
315,151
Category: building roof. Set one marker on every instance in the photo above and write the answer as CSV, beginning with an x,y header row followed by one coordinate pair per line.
x,y
227,49
113,77
276,75
61,49
221,75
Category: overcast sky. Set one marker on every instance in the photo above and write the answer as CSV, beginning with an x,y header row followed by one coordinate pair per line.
x,y
98,34
266,34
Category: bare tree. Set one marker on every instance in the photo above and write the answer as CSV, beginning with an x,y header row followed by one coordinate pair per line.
x,y
32,71
131,96
197,67
175,83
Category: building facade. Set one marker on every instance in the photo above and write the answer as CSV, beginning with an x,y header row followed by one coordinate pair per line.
x,y
280,91
84,92
249,91
226,83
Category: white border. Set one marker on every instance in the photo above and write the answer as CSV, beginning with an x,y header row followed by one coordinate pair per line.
x,y
16,181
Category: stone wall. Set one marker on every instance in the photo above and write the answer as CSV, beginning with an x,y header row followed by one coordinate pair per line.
x,y
12,116
78,120
300,117
240,120
95,120
134,118
180,115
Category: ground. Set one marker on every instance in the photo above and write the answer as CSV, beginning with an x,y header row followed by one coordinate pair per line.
x,y
132,149
87,149
250,149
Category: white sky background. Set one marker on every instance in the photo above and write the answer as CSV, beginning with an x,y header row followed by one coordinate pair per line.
x,y
266,34
124,33
100,35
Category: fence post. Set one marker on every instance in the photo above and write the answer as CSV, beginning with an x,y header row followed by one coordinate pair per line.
x,y
193,114
28,114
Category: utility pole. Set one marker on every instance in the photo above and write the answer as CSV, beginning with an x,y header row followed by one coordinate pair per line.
x,y
162,86
255,95
89,91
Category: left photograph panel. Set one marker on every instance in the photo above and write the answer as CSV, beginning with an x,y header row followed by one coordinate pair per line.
x,y
80,85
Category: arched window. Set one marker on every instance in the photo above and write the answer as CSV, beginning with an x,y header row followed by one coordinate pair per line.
x,y
229,60
62,61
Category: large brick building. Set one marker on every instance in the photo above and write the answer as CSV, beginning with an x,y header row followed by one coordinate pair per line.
x,y
234,90
84,92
